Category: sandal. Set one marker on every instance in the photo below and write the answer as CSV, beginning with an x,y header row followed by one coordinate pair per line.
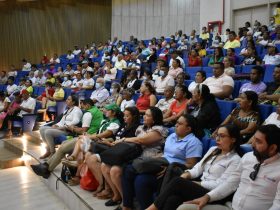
x,y
95,193
104,194
74,181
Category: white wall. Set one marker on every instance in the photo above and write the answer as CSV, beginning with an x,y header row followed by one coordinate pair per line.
x,y
148,18
236,12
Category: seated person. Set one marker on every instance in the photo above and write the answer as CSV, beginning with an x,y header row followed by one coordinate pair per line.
x,y
177,108
200,49
120,63
163,80
220,85
160,63
127,100
226,153
252,168
100,94
204,108
165,103
272,57
232,41
175,55
49,91
218,56
28,85
8,107
77,83
246,116
250,58
229,66
175,68
256,83
88,82
132,81
11,87
147,98
182,148
274,117
71,117
67,83
200,77
194,59
272,92
115,97
148,77
110,71
90,125
27,106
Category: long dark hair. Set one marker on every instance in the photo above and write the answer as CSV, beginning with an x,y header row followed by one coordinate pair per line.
x,y
252,96
135,116
234,132
204,92
157,115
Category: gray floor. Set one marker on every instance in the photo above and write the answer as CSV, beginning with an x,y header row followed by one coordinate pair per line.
x,y
20,189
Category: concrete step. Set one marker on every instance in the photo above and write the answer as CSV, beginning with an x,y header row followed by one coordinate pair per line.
x,y
73,196
9,159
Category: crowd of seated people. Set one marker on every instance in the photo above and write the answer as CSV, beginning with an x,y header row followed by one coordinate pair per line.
x,y
140,92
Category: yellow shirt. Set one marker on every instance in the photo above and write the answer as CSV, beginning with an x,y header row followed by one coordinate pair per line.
x,y
52,80
277,16
204,36
234,44
30,90
202,52
59,93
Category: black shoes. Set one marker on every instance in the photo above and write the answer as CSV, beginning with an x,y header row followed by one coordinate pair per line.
x,y
41,170
113,203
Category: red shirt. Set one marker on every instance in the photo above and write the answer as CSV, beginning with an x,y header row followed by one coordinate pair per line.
x,y
176,108
143,102
194,61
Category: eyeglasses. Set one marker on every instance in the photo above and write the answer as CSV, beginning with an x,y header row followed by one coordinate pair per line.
x,y
253,174
221,136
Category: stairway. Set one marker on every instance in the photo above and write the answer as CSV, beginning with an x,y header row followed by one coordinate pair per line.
x,y
28,147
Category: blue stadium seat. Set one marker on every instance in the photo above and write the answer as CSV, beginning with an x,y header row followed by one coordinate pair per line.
x,y
205,144
135,97
192,69
237,85
238,69
265,110
205,61
247,68
246,148
268,74
225,107
208,69
188,82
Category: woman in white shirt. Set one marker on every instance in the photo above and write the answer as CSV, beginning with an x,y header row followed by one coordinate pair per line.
x,y
72,116
88,82
218,163
200,76
11,88
271,58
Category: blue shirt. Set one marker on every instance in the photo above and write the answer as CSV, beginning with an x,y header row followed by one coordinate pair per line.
x,y
176,150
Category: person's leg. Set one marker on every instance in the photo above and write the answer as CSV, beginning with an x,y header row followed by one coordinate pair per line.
x,y
65,148
145,186
42,131
77,148
116,174
105,169
128,179
184,189
94,166
50,135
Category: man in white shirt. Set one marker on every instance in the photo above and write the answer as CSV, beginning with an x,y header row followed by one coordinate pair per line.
x,y
78,82
76,50
26,66
11,88
101,93
86,67
120,63
220,85
27,106
256,179
40,79
164,103
111,72
55,59
163,80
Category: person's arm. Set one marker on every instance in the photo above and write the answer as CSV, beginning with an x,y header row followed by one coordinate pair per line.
x,y
174,117
153,100
251,128
147,139
226,121
227,91
190,162
276,201
105,134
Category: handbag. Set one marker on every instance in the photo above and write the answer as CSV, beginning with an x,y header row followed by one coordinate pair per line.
x,y
97,148
67,173
88,180
121,153
149,165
